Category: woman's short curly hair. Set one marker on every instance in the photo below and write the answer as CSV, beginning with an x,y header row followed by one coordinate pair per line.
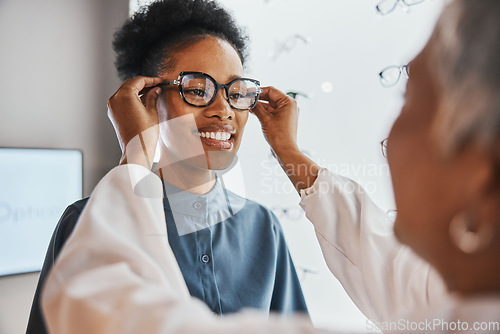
x,y
146,43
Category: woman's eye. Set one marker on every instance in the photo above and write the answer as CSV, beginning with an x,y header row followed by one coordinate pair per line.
x,y
236,96
197,92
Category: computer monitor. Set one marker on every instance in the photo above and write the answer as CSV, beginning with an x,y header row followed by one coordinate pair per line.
x,y
36,185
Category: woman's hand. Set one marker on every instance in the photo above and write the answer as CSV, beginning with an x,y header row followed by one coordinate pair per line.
x,y
132,111
278,116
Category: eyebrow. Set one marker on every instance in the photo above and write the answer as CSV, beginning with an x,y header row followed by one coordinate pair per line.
x,y
233,77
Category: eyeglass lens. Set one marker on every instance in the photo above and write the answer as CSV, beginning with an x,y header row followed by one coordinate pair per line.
x,y
197,90
200,90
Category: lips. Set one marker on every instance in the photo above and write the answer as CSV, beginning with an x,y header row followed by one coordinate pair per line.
x,y
218,136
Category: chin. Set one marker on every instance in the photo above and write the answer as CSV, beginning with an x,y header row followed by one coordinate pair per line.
x,y
221,160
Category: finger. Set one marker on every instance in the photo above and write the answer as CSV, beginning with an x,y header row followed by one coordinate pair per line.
x,y
273,96
257,111
145,90
143,93
138,84
262,111
264,96
151,97
262,108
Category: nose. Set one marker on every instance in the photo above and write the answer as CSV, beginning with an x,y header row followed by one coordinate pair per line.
x,y
220,108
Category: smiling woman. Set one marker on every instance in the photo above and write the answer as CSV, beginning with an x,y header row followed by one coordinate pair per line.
x,y
212,114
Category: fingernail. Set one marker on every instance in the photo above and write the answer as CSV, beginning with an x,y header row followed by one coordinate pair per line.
x,y
158,90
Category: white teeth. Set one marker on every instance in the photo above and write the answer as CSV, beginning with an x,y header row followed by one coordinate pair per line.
x,y
215,135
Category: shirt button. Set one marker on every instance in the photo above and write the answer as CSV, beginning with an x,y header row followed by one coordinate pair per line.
x,y
197,205
205,258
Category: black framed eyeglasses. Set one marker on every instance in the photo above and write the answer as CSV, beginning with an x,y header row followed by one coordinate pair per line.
x,y
199,89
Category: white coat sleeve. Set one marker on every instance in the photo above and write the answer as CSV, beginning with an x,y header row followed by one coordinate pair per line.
x,y
382,277
117,273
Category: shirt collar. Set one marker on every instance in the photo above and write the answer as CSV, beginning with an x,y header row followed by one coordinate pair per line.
x,y
190,204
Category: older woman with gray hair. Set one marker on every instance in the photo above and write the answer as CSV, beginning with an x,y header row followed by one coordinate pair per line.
x,y
444,155
436,269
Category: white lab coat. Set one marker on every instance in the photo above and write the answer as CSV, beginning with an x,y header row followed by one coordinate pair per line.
x,y
117,273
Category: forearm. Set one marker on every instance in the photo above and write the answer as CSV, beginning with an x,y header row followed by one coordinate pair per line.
x,y
301,170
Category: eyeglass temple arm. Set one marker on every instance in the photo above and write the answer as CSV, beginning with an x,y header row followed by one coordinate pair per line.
x,y
173,82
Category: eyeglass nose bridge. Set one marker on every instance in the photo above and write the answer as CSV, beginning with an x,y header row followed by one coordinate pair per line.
x,y
218,86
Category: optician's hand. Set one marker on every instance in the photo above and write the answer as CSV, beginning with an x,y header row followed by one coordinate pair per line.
x,y
132,110
278,115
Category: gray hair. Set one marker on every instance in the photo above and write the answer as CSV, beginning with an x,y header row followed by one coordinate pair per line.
x,y
467,59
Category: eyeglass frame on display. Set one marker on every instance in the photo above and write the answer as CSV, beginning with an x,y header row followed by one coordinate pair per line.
x,y
405,69
396,2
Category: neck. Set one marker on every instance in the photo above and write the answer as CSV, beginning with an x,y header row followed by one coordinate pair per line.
x,y
185,176
475,275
